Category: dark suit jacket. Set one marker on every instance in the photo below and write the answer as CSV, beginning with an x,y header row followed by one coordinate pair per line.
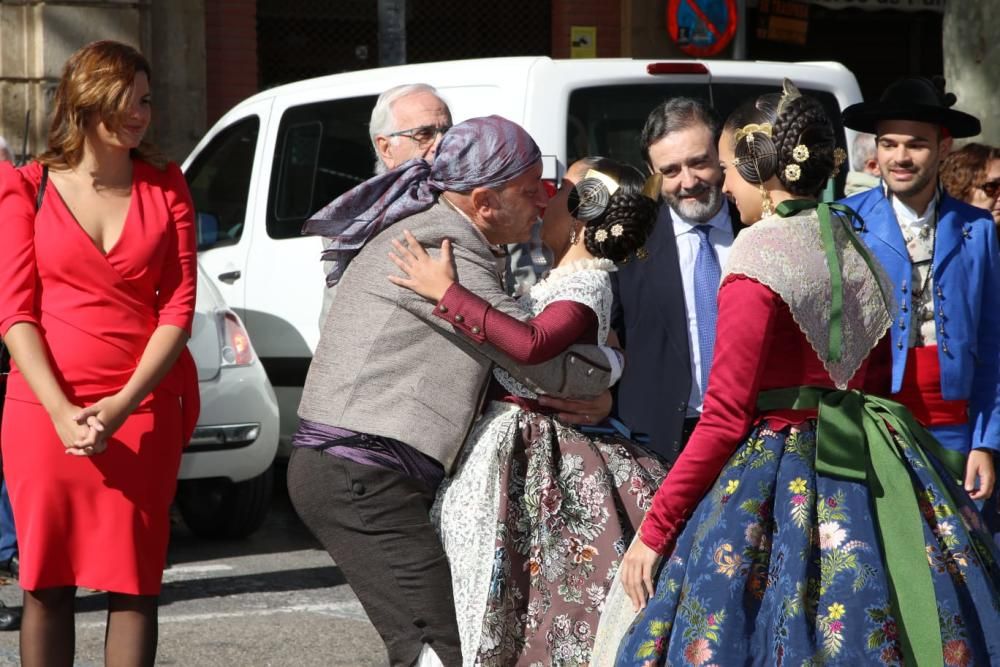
x,y
651,322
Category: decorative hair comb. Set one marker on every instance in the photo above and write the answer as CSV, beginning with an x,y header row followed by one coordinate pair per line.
x,y
610,182
747,131
653,186
589,198
788,93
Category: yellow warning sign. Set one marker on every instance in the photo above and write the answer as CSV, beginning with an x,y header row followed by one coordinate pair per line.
x,y
583,41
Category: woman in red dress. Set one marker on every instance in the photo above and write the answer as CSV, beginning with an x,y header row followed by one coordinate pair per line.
x,y
97,293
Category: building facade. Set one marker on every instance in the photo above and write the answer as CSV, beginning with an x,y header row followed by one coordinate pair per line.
x,y
207,55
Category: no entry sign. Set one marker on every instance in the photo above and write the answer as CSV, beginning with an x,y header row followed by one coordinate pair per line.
x,y
701,27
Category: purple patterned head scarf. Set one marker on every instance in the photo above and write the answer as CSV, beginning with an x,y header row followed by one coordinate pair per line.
x,y
478,153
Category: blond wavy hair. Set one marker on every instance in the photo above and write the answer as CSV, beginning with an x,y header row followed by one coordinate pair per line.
x,y
98,79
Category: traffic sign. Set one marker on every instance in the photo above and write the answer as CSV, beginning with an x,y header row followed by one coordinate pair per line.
x,y
702,28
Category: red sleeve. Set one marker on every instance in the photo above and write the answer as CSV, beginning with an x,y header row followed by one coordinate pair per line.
x,y
179,278
540,339
18,274
744,327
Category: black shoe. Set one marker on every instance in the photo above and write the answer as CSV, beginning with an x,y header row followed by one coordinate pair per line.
x,y
10,618
10,567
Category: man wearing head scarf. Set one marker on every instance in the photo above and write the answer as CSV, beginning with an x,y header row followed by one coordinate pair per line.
x,y
943,258
393,389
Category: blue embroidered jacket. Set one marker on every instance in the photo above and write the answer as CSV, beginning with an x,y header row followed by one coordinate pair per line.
x,y
966,307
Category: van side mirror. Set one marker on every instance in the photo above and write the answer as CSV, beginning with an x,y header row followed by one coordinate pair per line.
x,y
208,230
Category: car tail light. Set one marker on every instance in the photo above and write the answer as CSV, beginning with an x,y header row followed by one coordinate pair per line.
x,y
236,348
676,68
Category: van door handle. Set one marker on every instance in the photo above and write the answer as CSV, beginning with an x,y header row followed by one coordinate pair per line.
x,y
230,276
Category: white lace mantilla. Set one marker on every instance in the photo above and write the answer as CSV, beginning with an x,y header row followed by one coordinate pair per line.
x,y
786,255
584,281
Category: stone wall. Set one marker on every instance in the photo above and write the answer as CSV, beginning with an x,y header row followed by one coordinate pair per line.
x,y
36,38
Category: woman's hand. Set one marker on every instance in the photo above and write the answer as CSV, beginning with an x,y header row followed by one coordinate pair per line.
x,y
636,572
428,277
105,417
980,466
77,437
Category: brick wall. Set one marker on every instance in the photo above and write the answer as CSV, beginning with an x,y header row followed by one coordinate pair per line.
x,y
606,15
230,53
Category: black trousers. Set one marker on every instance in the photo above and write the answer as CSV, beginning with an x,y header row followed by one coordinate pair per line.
x,y
375,524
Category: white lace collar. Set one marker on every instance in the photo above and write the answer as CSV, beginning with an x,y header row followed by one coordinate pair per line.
x,y
786,255
590,264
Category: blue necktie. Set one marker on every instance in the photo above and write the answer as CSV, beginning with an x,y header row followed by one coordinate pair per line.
x,y
707,276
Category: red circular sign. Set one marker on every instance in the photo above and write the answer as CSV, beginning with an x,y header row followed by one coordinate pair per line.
x,y
702,27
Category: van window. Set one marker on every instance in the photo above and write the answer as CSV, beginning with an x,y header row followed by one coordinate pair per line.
x,y
608,120
219,180
323,151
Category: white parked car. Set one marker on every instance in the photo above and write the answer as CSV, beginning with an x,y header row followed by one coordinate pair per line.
x,y
226,475
284,153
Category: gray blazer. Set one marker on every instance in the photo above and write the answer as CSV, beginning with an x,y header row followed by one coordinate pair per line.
x,y
386,365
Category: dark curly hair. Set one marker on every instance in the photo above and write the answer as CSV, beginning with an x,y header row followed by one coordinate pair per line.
x,y
802,122
964,169
628,218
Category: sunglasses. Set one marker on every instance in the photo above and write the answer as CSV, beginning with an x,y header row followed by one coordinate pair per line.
x,y
423,135
991,188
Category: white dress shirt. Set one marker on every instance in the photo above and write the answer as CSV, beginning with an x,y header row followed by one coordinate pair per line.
x,y
688,241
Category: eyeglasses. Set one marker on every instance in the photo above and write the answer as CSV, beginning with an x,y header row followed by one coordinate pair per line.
x,y
991,188
423,135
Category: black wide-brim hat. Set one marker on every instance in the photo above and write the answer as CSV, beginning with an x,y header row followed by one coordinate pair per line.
x,y
912,98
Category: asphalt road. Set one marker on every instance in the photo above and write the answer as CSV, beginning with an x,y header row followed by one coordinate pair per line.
x,y
273,599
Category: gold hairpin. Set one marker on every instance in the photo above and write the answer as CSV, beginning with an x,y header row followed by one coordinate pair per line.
x,y
752,129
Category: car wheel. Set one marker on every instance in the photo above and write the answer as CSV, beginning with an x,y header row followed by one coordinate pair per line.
x,y
220,508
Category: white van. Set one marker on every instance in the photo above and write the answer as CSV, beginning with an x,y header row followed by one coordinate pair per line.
x,y
284,153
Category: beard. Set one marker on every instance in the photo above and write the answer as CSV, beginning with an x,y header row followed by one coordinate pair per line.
x,y
694,209
920,181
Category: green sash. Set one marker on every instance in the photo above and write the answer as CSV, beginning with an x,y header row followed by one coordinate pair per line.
x,y
854,442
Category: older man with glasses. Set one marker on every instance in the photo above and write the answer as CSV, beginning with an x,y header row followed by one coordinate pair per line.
x,y
407,122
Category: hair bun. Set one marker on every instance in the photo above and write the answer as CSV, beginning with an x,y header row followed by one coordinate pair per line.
x,y
589,199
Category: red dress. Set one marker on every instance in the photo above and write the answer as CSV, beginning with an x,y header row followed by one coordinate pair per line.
x,y
103,521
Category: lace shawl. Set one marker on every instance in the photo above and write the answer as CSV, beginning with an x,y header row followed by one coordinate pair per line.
x,y
584,281
786,255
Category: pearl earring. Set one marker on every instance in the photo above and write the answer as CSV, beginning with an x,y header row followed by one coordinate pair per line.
x,y
572,236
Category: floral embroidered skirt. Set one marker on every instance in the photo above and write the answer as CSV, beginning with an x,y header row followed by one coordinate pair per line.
x,y
535,522
781,566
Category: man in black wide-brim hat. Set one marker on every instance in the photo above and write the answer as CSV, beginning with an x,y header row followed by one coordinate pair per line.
x,y
943,258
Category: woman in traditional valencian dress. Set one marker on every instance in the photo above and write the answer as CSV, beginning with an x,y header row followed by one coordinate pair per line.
x,y
537,516
97,295
807,522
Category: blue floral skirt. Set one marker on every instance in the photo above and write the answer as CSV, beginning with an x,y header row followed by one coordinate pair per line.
x,y
779,565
